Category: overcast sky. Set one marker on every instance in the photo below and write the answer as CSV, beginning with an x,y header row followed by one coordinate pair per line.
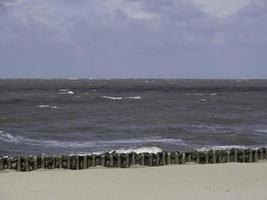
x,y
133,38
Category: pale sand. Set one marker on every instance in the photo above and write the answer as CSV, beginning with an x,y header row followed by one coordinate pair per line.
x,y
220,181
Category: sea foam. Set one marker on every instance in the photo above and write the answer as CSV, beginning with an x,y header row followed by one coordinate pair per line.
x,y
121,98
47,106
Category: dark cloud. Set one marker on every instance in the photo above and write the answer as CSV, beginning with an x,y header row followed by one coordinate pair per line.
x,y
130,38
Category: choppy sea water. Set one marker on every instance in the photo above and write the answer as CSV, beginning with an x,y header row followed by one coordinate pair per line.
x,y
86,116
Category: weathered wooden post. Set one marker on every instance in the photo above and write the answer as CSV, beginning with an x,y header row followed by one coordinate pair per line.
x,y
42,162
163,158
35,167
243,156
133,159
9,159
1,163
261,154
206,157
183,158
85,165
214,157
189,157
250,157
119,160
127,160
93,160
142,159
228,156
26,159
19,164
77,162
256,155
158,159
103,160
68,161
111,160
235,155
198,157
151,159
176,158
169,158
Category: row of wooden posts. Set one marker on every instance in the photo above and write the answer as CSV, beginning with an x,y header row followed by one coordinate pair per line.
x,y
124,160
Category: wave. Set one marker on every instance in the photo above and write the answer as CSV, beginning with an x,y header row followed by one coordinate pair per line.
x,y
9,138
47,106
65,91
226,147
194,94
121,98
152,149
261,130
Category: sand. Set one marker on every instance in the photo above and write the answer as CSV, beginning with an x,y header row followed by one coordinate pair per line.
x,y
188,182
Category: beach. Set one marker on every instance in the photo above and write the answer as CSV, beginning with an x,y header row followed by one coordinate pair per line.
x,y
210,181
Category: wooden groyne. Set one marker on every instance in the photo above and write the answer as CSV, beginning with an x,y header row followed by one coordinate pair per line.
x,y
124,160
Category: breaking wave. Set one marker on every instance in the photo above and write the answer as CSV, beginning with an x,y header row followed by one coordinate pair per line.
x,y
47,106
9,138
65,91
121,98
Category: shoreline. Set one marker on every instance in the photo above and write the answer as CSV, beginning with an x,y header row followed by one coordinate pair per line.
x,y
190,181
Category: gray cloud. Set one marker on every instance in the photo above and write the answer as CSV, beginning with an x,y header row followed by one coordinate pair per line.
x,y
130,38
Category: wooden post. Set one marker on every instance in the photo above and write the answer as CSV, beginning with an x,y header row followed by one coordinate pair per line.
x,y
42,162
256,155
206,157
176,158
243,156
68,162
189,157
183,158
228,156
26,163
151,159
127,161
235,155
163,158
169,158
59,162
198,157
9,159
77,162
143,159
103,160
133,159
1,163
250,157
85,165
93,160
119,160
18,164
214,157
261,154
111,160
158,159
35,163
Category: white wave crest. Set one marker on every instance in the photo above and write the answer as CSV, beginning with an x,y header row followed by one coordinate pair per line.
x,y
194,94
6,137
112,98
226,147
213,94
47,106
121,98
65,91
152,149
261,130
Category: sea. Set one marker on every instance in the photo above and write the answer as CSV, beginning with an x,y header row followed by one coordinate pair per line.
x,y
83,116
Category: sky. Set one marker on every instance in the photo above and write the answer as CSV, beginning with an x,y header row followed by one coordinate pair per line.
x,y
133,39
